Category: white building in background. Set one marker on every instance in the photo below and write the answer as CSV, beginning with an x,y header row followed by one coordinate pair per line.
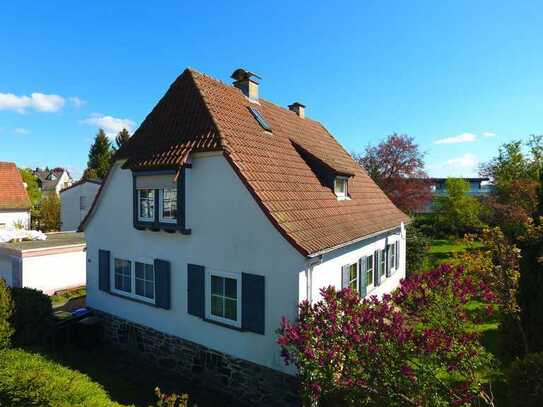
x,y
217,218
49,265
75,202
14,201
53,181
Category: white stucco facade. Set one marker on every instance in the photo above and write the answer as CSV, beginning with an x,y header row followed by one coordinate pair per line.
x,y
75,202
11,218
230,233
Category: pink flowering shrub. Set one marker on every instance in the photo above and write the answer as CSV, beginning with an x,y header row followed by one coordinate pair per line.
x,y
413,347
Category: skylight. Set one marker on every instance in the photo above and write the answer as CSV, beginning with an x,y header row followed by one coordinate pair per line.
x,y
260,119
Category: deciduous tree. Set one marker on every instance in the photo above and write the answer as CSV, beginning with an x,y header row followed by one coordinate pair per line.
x,y
32,186
397,166
50,213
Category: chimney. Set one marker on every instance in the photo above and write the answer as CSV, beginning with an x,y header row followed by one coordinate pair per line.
x,y
297,108
246,82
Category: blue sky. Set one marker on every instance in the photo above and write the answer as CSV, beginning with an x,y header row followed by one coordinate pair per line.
x,y
469,72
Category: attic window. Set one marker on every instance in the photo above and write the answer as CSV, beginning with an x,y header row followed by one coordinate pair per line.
x,y
260,119
340,187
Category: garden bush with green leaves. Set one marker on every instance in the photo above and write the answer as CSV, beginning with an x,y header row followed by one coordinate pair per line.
x,y
526,381
31,316
6,309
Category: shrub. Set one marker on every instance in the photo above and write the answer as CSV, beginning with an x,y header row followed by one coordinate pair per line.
x,y
526,381
28,379
418,246
31,316
6,308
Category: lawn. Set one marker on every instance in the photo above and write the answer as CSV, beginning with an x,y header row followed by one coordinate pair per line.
x,y
442,250
62,297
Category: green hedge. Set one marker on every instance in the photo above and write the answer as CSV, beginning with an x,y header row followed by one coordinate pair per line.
x,y
6,309
31,317
28,379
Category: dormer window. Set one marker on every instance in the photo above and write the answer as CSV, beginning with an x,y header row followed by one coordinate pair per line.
x,y
159,200
341,187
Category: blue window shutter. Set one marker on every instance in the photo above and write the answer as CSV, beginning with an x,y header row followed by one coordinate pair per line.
x,y
344,276
253,303
362,276
162,284
103,270
376,260
397,257
134,201
388,266
196,290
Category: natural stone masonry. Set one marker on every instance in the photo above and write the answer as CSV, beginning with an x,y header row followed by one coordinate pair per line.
x,y
237,381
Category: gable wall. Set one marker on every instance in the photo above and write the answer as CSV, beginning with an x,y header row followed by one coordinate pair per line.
x,y
70,213
8,218
229,232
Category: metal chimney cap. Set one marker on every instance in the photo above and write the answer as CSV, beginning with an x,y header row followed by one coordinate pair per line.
x,y
241,74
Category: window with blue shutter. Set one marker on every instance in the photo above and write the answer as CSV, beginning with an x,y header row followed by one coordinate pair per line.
x,y
344,277
377,262
196,290
397,244
363,284
253,294
162,284
104,270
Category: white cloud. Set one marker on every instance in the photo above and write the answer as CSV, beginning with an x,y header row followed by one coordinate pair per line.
x,y
37,101
489,134
77,102
466,161
460,138
20,130
111,125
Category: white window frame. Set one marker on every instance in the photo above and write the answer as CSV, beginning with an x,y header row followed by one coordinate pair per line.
x,y
223,274
371,286
132,294
391,263
162,219
357,277
141,218
382,263
341,194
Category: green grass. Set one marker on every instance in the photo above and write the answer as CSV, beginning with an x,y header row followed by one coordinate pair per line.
x,y
61,297
443,250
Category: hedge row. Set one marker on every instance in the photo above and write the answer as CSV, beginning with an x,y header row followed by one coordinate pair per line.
x,y
28,379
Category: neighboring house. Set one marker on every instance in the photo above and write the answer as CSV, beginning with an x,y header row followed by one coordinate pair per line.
x,y
53,180
14,201
75,202
220,214
478,187
49,265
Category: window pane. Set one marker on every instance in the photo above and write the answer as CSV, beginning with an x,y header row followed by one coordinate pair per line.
x,y
149,273
231,287
149,290
230,309
216,285
169,203
139,270
139,287
369,277
216,306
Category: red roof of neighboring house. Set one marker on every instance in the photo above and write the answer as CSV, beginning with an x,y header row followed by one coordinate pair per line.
x,y
285,169
13,193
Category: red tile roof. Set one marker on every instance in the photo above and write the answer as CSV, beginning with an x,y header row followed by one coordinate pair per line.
x,y
13,194
285,169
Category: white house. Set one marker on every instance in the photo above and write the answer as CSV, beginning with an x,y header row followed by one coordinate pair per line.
x,y
53,180
14,200
49,265
217,218
75,202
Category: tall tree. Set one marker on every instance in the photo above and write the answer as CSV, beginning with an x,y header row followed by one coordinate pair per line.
x,y
121,138
50,213
397,166
32,186
100,154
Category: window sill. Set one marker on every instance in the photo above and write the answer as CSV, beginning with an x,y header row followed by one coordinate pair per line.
x,y
223,324
133,299
166,227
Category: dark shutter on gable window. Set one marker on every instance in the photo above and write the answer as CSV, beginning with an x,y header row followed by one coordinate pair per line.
x,y
345,277
196,290
376,262
162,283
253,303
362,276
388,266
103,270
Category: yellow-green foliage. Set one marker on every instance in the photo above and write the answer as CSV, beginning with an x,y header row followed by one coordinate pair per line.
x,y
28,379
6,308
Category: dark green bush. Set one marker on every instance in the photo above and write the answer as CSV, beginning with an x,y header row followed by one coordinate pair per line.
x,y
28,379
509,344
6,308
418,246
526,381
31,316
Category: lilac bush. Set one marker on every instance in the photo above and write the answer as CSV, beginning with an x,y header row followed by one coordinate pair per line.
x,y
413,347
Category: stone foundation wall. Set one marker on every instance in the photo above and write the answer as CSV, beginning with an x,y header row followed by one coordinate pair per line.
x,y
237,381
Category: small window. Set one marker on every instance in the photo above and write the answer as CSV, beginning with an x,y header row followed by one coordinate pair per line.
x,y
382,263
353,276
145,280
146,203
369,270
123,275
340,187
82,203
391,257
224,298
168,205
260,119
